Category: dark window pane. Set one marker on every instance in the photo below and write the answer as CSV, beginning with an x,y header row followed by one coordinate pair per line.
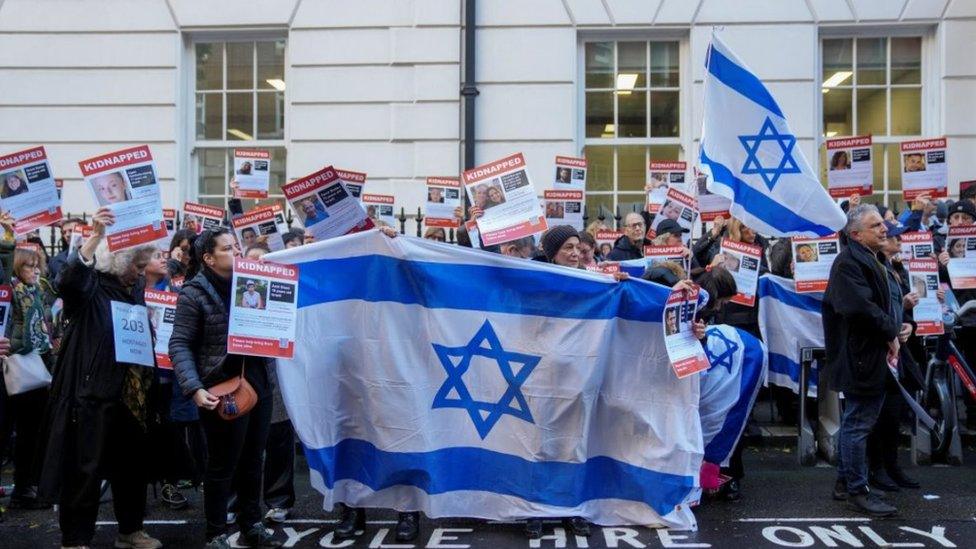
x,y
599,64
906,111
599,163
210,111
894,167
599,114
212,171
271,65
906,60
632,114
240,116
664,64
664,114
279,158
210,66
872,111
240,65
271,115
631,167
838,114
837,57
871,61
631,65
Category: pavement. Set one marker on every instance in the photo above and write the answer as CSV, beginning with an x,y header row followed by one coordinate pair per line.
x,y
783,505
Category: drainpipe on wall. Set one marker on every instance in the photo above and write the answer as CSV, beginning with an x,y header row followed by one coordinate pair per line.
x,y
468,89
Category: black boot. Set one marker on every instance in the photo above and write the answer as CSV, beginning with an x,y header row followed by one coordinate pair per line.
x,y
870,503
533,528
351,521
730,491
880,480
408,526
897,474
840,490
258,536
578,526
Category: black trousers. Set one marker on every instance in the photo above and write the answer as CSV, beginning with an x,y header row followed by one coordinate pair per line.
x,y
884,437
279,466
24,413
125,469
235,457
180,448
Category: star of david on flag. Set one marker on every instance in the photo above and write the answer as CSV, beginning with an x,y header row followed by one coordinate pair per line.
x,y
725,358
754,162
514,367
751,156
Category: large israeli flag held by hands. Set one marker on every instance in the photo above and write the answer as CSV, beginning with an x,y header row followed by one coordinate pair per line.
x,y
752,157
461,383
789,321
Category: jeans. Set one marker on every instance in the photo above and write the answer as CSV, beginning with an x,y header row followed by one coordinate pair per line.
x,y
884,438
859,416
236,450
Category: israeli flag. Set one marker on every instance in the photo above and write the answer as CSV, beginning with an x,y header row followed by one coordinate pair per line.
x,y
729,388
461,383
752,157
789,322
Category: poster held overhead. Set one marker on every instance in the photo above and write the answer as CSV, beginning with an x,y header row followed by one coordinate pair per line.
x,y
570,174
252,172
923,278
813,258
201,217
125,182
28,190
660,176
443,197
924,168
257,223
503,190
324,205
679,207
849,167
564,208
354,181
961,246
379,207
263,309
742,261
917,245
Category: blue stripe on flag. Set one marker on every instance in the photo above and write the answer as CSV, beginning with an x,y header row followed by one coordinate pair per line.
x,y
721,446
759,204
451,469
768,288
782,364
741,80
487,288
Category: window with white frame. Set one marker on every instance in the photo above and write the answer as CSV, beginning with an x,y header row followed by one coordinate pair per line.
x,y
239,89
631,97
873,85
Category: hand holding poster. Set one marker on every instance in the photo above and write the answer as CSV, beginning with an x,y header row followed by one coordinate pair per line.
x,y
252,173
917,245
325,206
263,309
79,235
201,217
379,207
924,168
125,182
660,176
162,315
354,181
813,258
443,197
684,350
679,207
28,191
961,248
255,226
742,260
570,174
564,208
923,277
849,168
503,191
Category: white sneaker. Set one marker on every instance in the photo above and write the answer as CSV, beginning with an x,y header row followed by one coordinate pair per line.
x,y
137,540
277,515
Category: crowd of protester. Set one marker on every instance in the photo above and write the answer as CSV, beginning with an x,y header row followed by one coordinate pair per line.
x,y
133,426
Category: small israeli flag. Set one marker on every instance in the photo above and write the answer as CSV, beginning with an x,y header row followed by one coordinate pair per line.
x,y
753,158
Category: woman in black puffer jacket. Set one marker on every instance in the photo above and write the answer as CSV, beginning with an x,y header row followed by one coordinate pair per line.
x,y
198,349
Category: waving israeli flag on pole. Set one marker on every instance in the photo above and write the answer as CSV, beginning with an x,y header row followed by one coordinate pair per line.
x,y
752,157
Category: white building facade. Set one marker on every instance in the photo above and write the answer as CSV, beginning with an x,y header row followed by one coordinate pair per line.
x,y
375,85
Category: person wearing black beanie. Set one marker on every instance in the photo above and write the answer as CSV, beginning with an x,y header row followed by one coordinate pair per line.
x,y
561,246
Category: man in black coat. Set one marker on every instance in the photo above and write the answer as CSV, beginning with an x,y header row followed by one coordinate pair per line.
x,y
631,244
861,335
